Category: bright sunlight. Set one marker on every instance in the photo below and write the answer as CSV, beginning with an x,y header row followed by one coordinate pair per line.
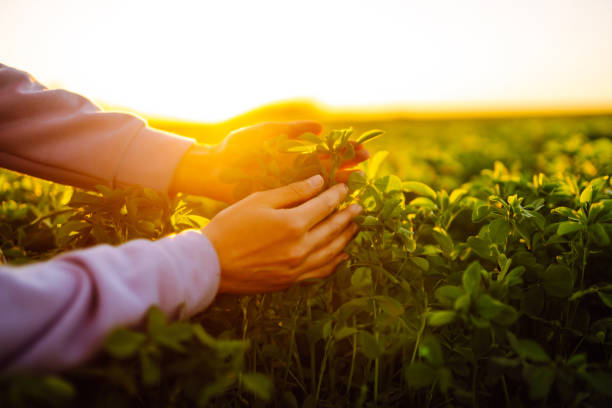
x,y
209,61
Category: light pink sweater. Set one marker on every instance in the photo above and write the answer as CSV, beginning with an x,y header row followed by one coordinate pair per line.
x,y
56,314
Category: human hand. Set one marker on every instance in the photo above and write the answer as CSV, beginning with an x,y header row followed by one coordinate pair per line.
x,y
272,239
199,172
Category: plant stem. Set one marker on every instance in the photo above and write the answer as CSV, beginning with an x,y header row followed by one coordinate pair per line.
x,y
505,388
354,355
322,370
474,375
313,384
421,329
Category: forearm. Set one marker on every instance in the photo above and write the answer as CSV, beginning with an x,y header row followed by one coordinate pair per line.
x,y
55,314
63,137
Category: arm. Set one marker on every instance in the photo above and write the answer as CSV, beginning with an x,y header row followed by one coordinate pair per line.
x,y
63,137
55,314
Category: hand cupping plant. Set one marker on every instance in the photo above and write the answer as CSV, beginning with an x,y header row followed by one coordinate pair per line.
x,y
495,293
283,161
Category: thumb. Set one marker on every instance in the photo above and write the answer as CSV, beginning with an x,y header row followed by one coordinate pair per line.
x,y
292,194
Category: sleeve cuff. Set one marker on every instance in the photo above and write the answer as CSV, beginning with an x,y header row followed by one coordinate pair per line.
x,y
151,159
197,259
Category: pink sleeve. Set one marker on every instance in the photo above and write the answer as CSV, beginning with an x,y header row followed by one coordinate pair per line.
x,y
56,314
63,137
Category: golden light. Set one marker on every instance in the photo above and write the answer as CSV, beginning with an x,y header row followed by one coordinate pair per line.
x,y
209,61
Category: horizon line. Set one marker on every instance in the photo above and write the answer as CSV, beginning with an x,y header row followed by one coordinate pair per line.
x,y
310,108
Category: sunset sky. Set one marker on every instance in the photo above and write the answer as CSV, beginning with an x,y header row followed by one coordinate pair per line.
x,y
210,60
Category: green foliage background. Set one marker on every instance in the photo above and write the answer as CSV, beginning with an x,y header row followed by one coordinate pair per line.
x,y
481,276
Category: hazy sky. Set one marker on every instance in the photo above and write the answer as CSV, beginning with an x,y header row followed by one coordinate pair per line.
x,y
210,60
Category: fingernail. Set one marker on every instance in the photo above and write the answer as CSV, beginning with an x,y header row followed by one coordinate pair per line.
x,y
315,181
356,209
344,187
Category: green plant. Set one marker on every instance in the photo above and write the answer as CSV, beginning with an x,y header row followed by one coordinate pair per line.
x,y
495,292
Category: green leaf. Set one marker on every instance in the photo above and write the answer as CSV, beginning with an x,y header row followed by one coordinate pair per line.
x,y
507,316
431,351
471,277
422,263
505,362
488,307
174,335
419,375
606,298
150,368
480,213
419,188
515,276
558,280
565,212
441,318
540,379
343,332
577,360
369,135
362,277
390,306
369,221
311,137
356,181
349,152
480,247
587,194
155,319
457,195
463,303
353,306
57,389
123,343
423,202
258,384
407,238
530,350
375,162
499,230
443,239
448,294
369,345
600,236
567,227
600,381
394,183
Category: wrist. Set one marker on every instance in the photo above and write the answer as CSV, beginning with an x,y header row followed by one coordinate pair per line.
x,y
193,172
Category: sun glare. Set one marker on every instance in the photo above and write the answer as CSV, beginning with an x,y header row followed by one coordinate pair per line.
x,y
212,60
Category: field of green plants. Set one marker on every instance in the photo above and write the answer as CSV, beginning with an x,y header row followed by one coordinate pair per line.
x,y
482,276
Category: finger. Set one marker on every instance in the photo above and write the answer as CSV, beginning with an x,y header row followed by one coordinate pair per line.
x,y
289,129
329,229
291,194
343,175
328,252
299,127
315,210
323,271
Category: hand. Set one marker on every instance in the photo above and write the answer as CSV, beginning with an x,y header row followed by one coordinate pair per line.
x,y
200,169
274,238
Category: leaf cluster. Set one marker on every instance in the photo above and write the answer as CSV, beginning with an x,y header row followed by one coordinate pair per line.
x,y
496,292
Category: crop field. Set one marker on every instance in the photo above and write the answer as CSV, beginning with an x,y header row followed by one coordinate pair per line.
x,y
481,276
